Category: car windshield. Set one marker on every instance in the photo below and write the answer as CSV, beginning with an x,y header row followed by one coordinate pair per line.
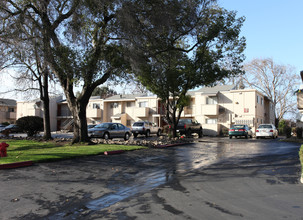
x,y
265,126
10,126
238,126
103,125
139,124
183,121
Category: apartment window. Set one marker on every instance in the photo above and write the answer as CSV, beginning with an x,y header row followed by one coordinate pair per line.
x,y
211,100
143,104
246,110
257,99
11,110
114,105
211,121
129,104
261,101
96,105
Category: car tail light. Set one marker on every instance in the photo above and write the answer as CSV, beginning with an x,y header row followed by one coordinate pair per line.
x,y
169,126
271,131
257,130
241,129
231,129
143,129
185,126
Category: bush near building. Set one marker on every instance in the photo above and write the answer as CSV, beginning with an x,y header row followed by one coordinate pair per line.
x,y
299,132
31,125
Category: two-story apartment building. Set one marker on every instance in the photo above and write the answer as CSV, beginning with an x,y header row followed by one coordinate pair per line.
x,y
8,108
35,108
219,107
94,113
127,109
216,108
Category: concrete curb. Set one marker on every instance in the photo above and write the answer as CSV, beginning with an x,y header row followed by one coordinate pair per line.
x,y
16,165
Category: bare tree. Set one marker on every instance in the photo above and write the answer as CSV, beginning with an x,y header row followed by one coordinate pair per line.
x,y
23,55
276,81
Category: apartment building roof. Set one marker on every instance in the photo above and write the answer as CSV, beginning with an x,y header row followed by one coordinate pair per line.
x,y
124,97
8,102
213,90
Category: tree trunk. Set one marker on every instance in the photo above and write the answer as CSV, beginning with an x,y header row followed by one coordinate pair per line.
x,y
46,118
77,107
80,124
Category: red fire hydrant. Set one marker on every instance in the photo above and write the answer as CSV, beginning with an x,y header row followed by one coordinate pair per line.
x,y
3,147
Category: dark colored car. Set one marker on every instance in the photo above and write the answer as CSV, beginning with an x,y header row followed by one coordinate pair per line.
x,y
240,130
189,126
110,130
90,126
12,128
146,128
2,127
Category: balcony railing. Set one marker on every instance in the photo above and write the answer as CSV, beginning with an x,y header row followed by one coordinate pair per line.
x,y
142,111
64,113
11,115
93,113
210,109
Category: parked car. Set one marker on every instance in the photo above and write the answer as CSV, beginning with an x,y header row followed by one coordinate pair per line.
x,y
110,130
146,128
266,130
189,126
91,126
240,130
2,127
12,128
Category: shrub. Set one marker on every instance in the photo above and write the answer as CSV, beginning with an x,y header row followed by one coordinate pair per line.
x,y
281,127
299,132
31,125
287,131
224,132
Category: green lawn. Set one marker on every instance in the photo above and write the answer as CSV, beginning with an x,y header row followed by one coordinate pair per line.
x,y
25,150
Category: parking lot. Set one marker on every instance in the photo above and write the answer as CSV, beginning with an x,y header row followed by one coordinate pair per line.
x,y
214,178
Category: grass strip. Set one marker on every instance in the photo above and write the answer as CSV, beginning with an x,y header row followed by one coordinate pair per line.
x,y
27,150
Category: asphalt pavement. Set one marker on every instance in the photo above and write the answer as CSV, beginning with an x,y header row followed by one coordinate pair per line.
x,y
214,178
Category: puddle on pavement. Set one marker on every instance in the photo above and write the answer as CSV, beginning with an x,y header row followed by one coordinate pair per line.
x,y
143,182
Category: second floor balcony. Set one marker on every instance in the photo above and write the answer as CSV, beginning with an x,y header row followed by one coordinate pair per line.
x,y
11,115
141,111
212,109
64,113
93,113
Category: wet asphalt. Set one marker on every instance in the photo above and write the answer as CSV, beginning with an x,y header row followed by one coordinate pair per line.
x,y
213,178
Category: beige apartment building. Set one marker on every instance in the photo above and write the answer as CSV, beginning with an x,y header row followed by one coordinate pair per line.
x,y
35,108
8,109
300,108
128,109
220,107
216,108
